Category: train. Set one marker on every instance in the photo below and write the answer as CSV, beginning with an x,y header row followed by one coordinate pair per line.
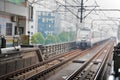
x,y
87,38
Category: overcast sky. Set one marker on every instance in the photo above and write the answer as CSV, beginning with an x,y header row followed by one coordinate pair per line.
x,y
104,4
109,4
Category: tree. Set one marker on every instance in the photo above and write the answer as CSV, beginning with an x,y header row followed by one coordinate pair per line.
x,y
37,38
50,39
63,36
57,39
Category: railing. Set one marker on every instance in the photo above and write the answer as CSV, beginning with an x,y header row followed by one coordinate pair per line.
x,y
49,51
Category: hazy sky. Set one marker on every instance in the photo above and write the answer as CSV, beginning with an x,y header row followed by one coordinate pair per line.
x,y
109,4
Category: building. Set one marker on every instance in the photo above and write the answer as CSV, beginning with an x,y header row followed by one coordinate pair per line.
x,y
46,23
14,18
43,14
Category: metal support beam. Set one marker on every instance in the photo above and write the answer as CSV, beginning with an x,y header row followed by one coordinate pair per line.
x,y
68,9
102,20
104,9
79,6
81,15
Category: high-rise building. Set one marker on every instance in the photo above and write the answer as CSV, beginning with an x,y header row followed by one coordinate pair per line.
x,y
46,23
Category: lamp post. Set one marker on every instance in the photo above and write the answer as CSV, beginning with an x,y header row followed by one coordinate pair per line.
x,y
28,37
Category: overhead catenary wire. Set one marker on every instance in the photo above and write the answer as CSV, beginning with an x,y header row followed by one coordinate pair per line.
x,y
68,9
85,1
105,14
75,1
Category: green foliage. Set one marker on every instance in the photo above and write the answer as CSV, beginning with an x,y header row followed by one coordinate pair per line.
x,y
66,36
57,39
37,38
50,39
63,36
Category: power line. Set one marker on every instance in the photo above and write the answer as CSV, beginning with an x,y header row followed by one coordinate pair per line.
x,y
117,10
76,2
89,12
109,18
104,13
85,1
68,9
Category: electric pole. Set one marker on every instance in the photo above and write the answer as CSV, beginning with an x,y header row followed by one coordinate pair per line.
x,y
81,15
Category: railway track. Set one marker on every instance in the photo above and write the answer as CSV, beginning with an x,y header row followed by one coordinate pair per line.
x,y
46,68
51,66
41,72
92,68
49,69
41,75
42,66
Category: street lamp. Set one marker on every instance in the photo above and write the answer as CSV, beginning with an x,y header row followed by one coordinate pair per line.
x,y
28,37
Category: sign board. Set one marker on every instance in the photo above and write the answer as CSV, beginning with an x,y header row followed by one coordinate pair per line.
x,y
25,39
11,41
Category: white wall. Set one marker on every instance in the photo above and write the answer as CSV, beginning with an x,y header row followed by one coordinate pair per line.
x,y
3,20
9,8
13,8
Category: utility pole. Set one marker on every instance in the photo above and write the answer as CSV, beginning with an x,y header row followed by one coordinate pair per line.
x,y
65,10
81,15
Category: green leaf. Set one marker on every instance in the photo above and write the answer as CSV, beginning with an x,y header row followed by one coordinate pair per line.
x,y
37,38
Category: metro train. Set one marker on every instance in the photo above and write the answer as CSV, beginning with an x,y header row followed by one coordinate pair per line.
x,y
87,38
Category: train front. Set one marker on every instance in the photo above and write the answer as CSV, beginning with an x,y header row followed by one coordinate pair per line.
x,y
84,39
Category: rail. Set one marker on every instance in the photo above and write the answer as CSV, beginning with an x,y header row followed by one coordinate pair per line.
x,y
51,50
85,64
56,65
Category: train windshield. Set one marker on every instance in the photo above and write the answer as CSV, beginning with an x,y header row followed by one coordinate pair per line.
x,y
84,34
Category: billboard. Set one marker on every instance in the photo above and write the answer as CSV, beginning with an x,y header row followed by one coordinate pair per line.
x,y
25,39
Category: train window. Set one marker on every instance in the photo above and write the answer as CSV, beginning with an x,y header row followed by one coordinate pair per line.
x,y
84,33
